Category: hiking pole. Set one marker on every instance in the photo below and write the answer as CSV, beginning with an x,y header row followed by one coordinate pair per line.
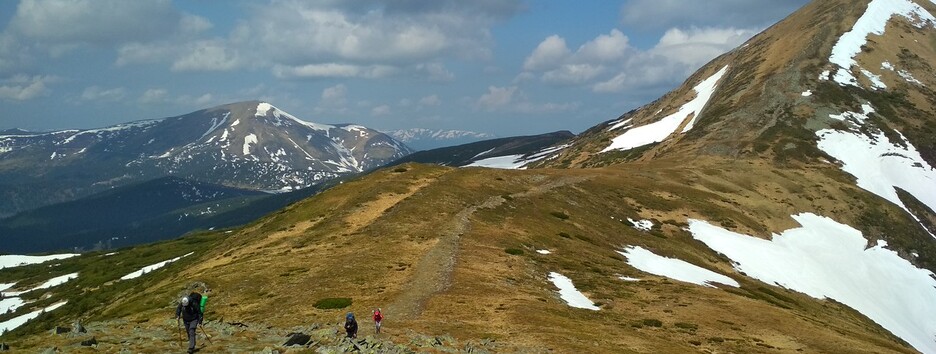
x,y
205,332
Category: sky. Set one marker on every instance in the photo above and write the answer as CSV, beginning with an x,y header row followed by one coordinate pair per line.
x,y
504,67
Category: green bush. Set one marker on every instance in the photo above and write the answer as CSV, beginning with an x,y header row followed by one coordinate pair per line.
x,y
400,169
514,251
649,322
564,235
333,303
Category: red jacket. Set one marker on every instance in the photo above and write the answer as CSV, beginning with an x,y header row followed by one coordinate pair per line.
x,y
377,316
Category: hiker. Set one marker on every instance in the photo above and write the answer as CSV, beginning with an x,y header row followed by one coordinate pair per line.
x,y
190,312
377,318
350,325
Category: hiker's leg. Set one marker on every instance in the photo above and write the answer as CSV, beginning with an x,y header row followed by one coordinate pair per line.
x,y
191,326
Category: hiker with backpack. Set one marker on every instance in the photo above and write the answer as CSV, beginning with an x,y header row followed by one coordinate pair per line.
x,y
377,318
189,310
350,325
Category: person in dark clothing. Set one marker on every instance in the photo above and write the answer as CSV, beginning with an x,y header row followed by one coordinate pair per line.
x,y
191,316
350,325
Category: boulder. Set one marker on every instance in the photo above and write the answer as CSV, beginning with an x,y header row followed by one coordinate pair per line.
x,y
78,328
60,330
297,339
4,347
89,343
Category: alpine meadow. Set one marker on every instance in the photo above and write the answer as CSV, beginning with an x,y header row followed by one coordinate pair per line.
x,y
782,199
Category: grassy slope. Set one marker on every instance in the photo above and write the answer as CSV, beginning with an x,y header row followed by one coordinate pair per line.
x,y
428,246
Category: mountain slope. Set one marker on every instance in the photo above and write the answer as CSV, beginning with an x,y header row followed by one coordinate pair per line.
x,y
245,145
462,155
154,210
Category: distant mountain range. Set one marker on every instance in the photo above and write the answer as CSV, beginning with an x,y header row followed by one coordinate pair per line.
x,y
426,139
516,149
248,145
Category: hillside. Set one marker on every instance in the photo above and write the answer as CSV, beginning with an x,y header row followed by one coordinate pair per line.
x,y
155,210
780,200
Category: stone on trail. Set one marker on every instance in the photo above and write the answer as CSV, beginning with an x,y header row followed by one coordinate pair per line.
x,y
297,339
89,343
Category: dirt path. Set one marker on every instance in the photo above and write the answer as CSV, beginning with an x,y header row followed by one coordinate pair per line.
x,y
433,273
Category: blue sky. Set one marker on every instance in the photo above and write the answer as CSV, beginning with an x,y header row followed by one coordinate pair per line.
x,y
507,67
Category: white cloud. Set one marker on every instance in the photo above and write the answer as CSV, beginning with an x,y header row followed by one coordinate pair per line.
x,y
208,55
696,46
497,97
97,93
435,72
550,52
381,110
431,100
333,70
97,21
608,64
335,96
604,48
152,96
614,84
23,87
511,99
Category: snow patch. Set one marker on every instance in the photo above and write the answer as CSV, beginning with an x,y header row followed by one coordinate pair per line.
x,y
628,278
9,261
879,164
570,294
249,139
543,251
59,280
873,21
643,225
14,322
658,131
807,93
826,259
673,268
152,267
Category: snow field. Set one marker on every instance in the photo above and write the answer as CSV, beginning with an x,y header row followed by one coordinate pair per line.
x,y
570,294
642,225
677,269
826,259
16,260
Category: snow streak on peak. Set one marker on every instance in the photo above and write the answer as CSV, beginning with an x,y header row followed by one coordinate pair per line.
x,y
826,259
570,294
873,21
264,109
658,131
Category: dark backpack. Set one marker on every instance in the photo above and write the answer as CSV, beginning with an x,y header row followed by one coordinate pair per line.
x,y
194,301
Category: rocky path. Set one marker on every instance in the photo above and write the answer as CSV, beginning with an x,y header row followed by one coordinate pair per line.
x,y
433,273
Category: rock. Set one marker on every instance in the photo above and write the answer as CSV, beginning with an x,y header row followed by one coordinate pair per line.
x,y
52,350
60,330
89,343
268,350
4,347
78,328
297,339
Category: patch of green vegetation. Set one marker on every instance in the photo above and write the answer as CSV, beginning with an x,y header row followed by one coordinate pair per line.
x,y
400,169
650,322
332,303
514,251
686,326
565,235
560,215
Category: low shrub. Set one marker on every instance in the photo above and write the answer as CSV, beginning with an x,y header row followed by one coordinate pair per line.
x,y
333,303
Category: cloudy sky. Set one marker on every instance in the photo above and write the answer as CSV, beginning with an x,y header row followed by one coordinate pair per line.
x,y
506,67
